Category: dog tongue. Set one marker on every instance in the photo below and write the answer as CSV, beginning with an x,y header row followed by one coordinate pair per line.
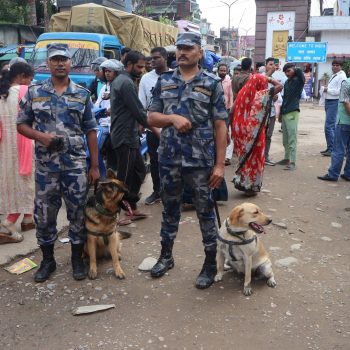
x,y
256,227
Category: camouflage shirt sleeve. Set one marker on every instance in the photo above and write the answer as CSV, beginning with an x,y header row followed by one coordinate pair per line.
x,y
156,102
25,114
89,122
218,101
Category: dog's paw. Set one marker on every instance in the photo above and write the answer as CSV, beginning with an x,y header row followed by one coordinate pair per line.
x,y
92,274
271,282
119,274
247,291
218,277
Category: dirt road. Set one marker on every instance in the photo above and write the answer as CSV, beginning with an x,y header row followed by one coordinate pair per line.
x,y
309,308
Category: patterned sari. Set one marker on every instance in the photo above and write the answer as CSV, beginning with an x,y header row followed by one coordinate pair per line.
x,y
248,132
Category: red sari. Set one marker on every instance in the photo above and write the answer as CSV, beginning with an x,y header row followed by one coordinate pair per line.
x,y
248,132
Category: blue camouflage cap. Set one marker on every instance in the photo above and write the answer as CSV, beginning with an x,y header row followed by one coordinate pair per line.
x,y
58,49
188,39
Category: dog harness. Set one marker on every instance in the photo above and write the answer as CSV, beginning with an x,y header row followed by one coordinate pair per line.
x,y
101,234
236,234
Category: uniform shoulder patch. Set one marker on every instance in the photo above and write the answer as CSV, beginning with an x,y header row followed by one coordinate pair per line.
x,y
82,87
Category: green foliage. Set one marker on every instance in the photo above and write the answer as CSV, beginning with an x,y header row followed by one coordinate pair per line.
x,y
13,11
17,11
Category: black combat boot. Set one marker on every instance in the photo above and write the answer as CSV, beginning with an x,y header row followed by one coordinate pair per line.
x,y
78,266
206,277
48,264
165,261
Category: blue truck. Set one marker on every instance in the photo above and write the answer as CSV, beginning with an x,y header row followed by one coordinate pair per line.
x,y
85,47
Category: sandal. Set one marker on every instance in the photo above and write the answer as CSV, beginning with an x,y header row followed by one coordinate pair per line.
x,y
27,226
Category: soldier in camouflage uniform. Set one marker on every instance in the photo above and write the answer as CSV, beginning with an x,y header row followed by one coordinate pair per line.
x,y
188,104
56,113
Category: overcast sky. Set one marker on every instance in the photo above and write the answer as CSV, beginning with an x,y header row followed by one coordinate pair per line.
x,y
242,14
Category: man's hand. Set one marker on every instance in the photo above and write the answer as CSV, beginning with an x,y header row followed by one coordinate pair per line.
x,y
181,123
325,89
216,176
93,175
46,139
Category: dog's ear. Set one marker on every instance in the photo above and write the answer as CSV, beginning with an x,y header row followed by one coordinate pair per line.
x,y
111,174
236,213
122,186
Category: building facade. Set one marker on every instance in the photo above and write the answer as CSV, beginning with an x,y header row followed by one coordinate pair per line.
x,y
277,22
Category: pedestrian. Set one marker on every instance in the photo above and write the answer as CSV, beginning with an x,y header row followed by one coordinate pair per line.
x,y
56,113
331,95
99,80
127,114
159,58
252,110
110,71
238,81
16,156
226,85
342,137
124,52
290,111
148,64
269,70
189,105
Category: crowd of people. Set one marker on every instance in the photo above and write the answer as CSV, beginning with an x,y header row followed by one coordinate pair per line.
x,y
194,121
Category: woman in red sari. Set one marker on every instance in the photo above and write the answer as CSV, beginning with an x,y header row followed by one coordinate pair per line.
x,y
251,110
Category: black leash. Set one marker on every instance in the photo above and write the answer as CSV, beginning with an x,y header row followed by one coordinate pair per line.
x,y
217,212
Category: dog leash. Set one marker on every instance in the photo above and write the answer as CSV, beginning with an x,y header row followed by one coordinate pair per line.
x,y
217,212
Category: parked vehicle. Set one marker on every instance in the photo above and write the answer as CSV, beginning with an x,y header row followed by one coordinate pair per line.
x,y
85,47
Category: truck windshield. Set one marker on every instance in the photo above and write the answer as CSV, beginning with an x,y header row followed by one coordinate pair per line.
x,y
82,57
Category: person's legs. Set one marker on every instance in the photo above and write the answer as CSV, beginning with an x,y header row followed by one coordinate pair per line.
x,y
339,151
153,144
331,108
130,170
291,124
346,131
171,184
285,138
47,203
269,132
197,178
74,191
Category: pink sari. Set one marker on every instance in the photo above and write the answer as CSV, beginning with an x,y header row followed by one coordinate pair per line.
x,y
24,145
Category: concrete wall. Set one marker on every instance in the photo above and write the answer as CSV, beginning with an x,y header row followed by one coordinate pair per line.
x,y
301,9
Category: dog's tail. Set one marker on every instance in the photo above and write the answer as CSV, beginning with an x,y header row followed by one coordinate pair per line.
x,y
125,234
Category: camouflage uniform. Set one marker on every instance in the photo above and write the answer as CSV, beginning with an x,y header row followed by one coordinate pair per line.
x,y
188,158
59,173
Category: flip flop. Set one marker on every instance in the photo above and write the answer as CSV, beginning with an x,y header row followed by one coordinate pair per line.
x,y
124,222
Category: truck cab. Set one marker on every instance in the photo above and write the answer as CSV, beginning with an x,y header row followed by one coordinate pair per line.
x,y
84,47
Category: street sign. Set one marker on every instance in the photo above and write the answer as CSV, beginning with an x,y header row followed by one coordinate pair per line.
x,y
310,52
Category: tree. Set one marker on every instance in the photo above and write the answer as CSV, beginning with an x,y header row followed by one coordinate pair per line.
x,y
13,11
32,20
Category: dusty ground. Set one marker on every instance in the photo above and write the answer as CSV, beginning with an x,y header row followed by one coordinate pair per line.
x,y
309,308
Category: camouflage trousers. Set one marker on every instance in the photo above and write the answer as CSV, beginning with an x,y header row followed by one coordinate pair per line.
x,y
50,188
173,179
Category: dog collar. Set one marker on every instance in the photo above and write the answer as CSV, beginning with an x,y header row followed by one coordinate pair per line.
x,y
103,211
236,233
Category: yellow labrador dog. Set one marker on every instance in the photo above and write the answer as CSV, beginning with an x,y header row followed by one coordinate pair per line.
x,y
240,247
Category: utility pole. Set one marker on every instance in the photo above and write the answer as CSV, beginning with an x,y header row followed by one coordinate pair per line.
x,y
229,22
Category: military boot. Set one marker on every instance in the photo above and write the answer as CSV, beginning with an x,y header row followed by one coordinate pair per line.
x,y
165,261
78,266
48,264
206,277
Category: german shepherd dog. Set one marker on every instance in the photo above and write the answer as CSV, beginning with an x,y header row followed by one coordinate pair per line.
x,y
101,213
